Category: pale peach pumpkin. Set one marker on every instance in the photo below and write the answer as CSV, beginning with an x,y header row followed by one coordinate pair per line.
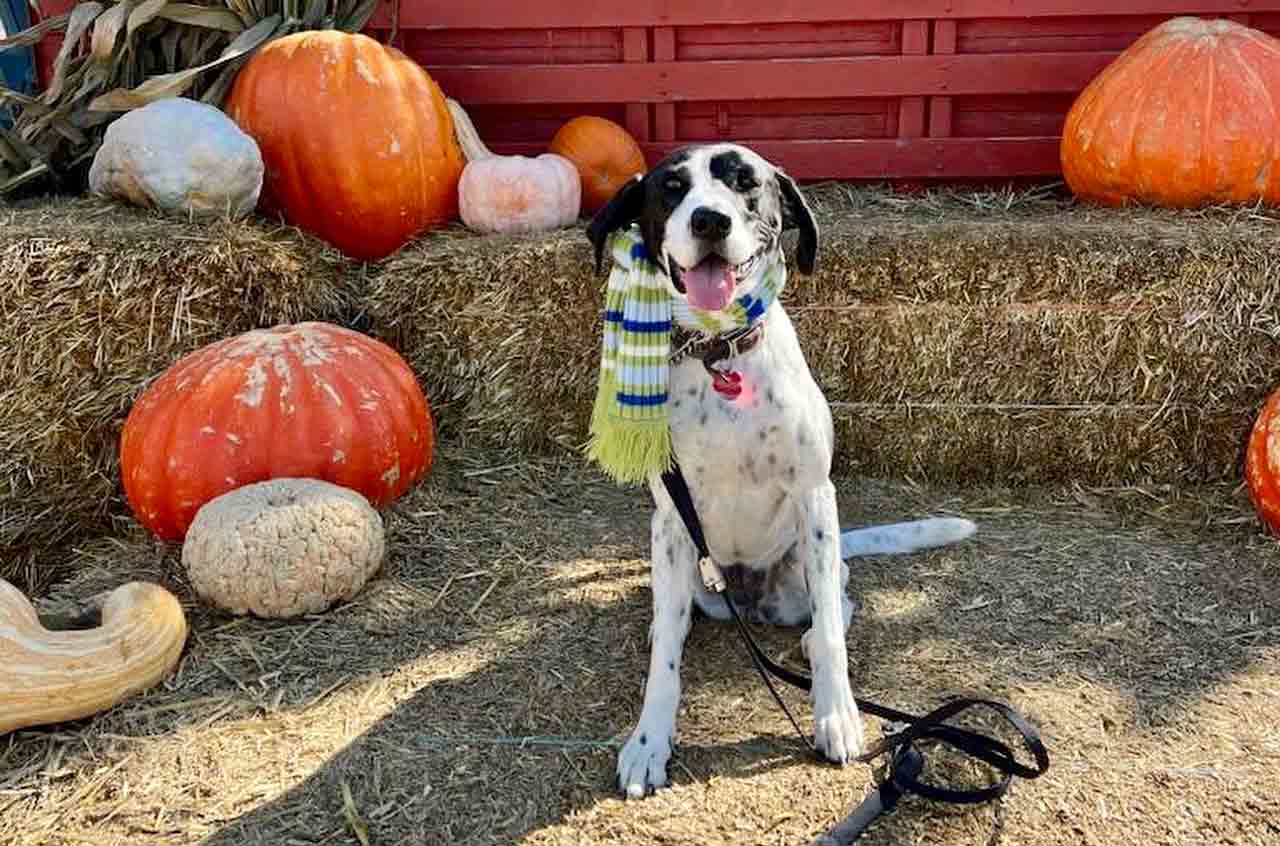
x,y
513,194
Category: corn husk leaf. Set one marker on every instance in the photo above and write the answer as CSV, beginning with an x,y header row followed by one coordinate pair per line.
x,y
143,14
314,13
174,84
359,14
32,36
82,17
107,29
119,55
203,16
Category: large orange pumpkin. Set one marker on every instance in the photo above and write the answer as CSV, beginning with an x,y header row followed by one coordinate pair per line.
x,y
357,141
1188,115
309,400
605,154
1262,463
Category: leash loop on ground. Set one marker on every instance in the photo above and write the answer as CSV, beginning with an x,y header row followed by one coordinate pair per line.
x,y
904,732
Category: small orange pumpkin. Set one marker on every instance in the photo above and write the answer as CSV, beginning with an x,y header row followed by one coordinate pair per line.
x,y
1186,116
356,139
605,154
513,194
1262,463
308,400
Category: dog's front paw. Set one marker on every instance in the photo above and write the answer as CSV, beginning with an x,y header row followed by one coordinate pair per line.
x,y
837,728
642,763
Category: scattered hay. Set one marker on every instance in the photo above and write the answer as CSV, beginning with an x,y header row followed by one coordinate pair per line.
x,y
97,300
507,646
1046,340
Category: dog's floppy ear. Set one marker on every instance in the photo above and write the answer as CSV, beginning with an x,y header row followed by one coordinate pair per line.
x,y
623,210
797,215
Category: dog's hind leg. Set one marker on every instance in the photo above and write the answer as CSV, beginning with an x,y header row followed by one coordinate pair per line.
x,y
642,763
901,538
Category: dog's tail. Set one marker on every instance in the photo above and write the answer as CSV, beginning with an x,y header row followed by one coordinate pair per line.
x,y
899,538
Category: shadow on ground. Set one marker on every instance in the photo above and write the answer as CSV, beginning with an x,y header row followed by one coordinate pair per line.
x,y
476,692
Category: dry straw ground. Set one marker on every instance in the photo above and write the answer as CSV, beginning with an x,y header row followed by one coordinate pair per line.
x,y
476,692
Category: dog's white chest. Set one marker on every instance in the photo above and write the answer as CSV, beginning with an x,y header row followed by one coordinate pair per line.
x,y
746,457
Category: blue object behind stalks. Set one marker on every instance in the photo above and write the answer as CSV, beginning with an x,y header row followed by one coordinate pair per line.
x,y
17,67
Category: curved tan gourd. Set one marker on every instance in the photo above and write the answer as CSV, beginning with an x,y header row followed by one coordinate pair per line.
x,y
54,676
466,134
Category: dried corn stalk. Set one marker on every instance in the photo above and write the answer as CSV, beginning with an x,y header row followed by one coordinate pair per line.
x,y
118,56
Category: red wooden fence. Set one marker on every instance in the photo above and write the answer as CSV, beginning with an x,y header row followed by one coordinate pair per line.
x,y
846,89
860,89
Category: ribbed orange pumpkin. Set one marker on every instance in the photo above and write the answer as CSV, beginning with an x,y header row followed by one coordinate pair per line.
x,y
605,154
357,142
1187,116
308,400
1262,463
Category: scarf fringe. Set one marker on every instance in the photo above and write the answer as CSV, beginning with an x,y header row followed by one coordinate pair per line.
x,y
628,450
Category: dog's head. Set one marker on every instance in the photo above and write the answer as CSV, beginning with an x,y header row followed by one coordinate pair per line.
x,y
708,215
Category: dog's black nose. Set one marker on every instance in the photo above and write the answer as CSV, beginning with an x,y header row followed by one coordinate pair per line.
x,y
710,224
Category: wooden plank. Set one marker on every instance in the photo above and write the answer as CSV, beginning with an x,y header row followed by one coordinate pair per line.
x,y
506,14
783,120
787,41
940,107
911,114
635,48
894,158
879,76
1052,35
664,114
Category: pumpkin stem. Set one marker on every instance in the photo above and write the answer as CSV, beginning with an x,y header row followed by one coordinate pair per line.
x,y
468,138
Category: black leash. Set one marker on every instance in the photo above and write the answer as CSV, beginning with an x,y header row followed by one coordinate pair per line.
x,y
906,760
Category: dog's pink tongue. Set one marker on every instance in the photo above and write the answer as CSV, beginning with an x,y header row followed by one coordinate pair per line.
x,y
709,284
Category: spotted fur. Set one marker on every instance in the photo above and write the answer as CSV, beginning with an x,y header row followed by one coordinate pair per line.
x,y
757,466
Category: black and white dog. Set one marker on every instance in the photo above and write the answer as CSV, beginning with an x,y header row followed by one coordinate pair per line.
x,y
757,465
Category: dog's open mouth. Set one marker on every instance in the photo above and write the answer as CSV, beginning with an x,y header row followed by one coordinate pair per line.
x,y
709,284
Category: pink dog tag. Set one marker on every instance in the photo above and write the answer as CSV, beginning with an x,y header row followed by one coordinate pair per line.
x,y
728,384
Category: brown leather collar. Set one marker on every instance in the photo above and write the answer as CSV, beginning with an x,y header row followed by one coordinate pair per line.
x,y
714,348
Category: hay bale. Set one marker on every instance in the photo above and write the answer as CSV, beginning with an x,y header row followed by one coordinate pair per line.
x,y
1015,444
97,300
1047,340
503,331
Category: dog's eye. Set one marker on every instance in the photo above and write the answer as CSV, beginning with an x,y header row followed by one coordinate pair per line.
x,y
673,184
747,181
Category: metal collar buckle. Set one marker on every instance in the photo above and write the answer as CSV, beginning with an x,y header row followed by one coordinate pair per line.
x,y
712,578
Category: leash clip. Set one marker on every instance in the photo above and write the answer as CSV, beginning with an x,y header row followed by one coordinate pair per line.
x,y
712,578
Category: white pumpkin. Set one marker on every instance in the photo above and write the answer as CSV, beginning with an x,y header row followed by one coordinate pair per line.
x,y
513,194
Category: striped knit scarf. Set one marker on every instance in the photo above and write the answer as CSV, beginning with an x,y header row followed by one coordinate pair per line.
x,y
630,435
